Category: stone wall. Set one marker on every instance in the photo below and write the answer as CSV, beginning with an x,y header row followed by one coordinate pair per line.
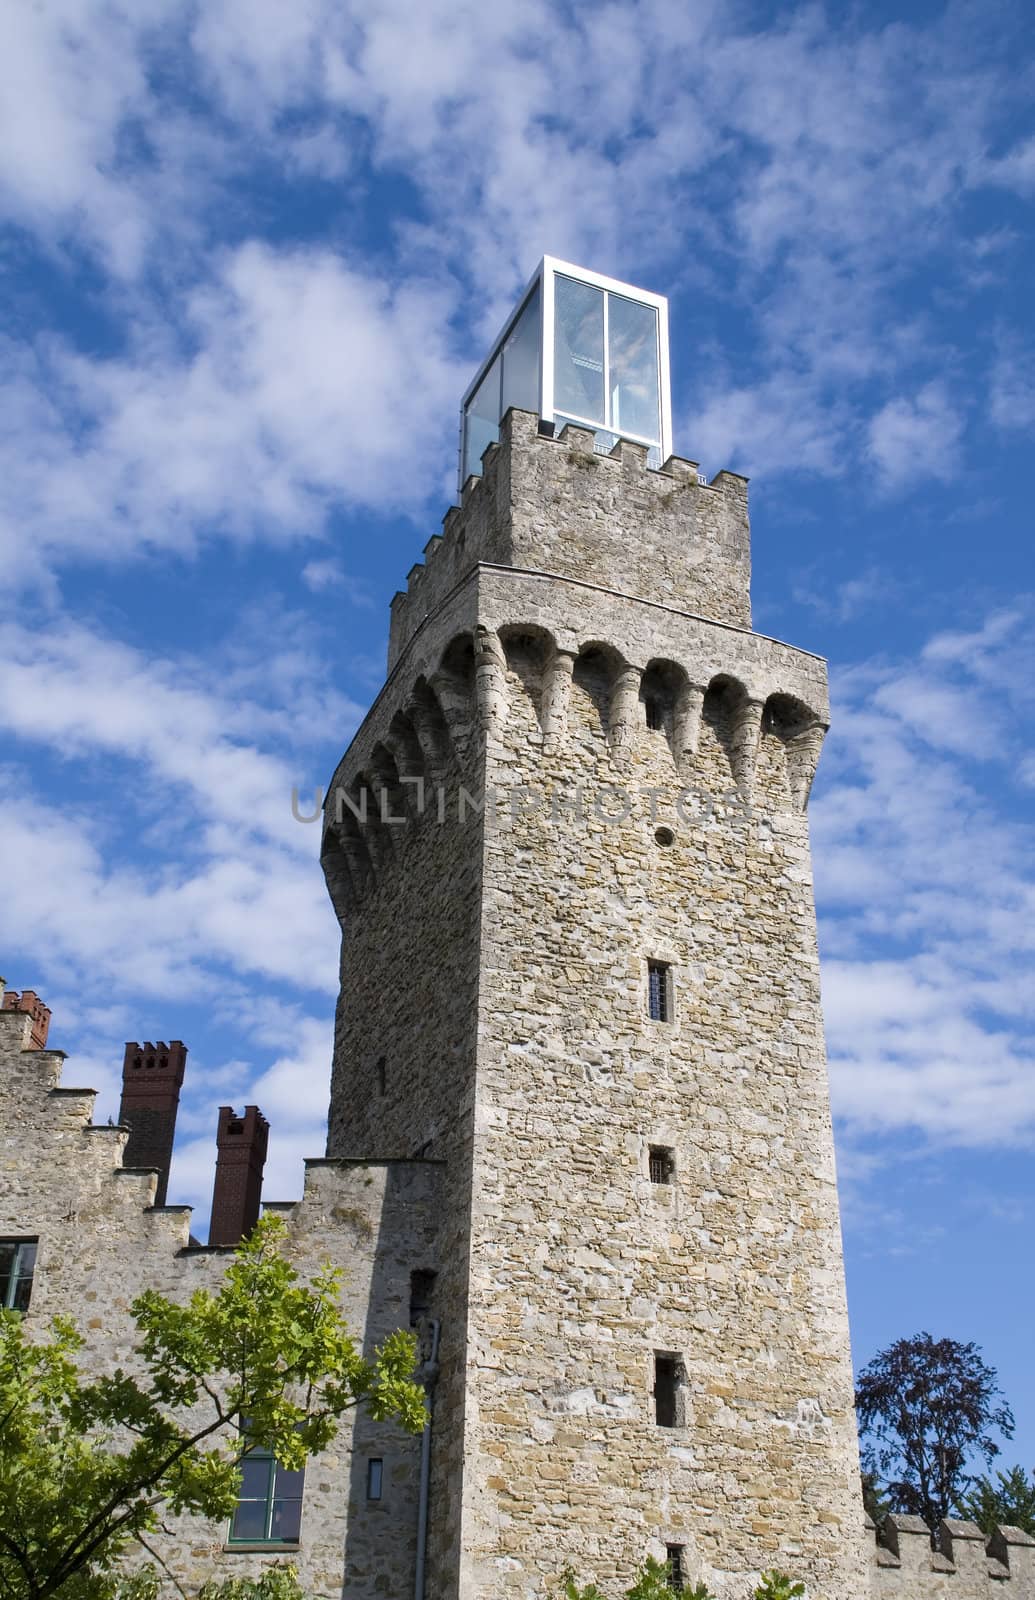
x,y
906,1564
102,1241
555,505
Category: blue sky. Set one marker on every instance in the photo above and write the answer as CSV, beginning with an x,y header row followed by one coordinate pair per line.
x,y
253,253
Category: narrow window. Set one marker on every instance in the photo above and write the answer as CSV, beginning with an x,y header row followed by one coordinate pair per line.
x,y
676,1575
381,1075
17,1264
666,1385
661,1163
269,1501
655,710
659,995
422,1284
375,1477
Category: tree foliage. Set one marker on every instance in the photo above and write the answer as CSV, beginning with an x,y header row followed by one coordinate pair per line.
x,y
1009,1500
926,1407
778,1586
279,1582
651,1583
88,1465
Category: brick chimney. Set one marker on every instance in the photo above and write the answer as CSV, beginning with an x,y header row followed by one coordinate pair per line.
x,y
30,1001
151,1078
241,1155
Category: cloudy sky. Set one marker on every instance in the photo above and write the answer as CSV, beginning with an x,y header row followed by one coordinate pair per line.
x,y
253,254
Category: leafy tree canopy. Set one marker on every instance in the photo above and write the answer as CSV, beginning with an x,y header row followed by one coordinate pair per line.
x,y
1009,1500
653,1583
926,1407
88,1465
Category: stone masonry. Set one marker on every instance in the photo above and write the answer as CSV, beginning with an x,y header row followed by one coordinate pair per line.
x,y
578,649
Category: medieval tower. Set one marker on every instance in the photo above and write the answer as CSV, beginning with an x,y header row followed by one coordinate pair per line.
x,y
569,852
579,1132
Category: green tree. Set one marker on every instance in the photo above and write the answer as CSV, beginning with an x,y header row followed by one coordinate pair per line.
x,y
276,1583
925,1407
1009,1500
778,1586
651,1583
87,1466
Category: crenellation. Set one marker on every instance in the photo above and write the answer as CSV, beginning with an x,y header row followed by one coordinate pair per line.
x,y
909,1562
648,535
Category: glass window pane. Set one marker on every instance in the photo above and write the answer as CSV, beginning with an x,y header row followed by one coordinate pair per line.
x,y
255,1477
289,1483
578,362
521,360
22,1293
7,1254
287,1519
482,419
249,1520
632,336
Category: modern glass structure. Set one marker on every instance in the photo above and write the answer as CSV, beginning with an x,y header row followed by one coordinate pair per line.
x,y
578,348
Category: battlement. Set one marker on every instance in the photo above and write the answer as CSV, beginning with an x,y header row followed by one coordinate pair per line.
x,y
555,505
908,1561
163,1060
30,1003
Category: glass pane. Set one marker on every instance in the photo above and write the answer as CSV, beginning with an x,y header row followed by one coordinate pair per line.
x,y
7,1254
632,336
22,1294
578,359
249,1520
287,1519
521,360
289,1483
482,419
255,1477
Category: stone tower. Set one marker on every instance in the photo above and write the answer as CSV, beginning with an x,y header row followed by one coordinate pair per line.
x,y
569,852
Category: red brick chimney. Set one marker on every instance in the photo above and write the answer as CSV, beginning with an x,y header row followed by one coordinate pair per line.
x,y
30,1001
240,1157
151,1078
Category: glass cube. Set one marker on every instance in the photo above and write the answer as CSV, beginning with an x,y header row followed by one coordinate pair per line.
x,y
578,348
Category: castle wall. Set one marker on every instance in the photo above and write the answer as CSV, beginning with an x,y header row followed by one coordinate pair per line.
x,y
102,1242
904,1564
554,505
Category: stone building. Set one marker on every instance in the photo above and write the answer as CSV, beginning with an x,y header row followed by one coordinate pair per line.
x,y
579,1130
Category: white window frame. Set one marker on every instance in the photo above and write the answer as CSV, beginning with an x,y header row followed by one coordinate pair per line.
x,y
548,270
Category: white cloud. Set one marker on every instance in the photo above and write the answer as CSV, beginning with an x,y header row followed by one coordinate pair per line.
x,y
330,574
916,437
221,878
795,175
926,893
309,385
1014,170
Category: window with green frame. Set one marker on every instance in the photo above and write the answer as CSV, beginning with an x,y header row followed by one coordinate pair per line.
x,y
269,1505
17,1264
